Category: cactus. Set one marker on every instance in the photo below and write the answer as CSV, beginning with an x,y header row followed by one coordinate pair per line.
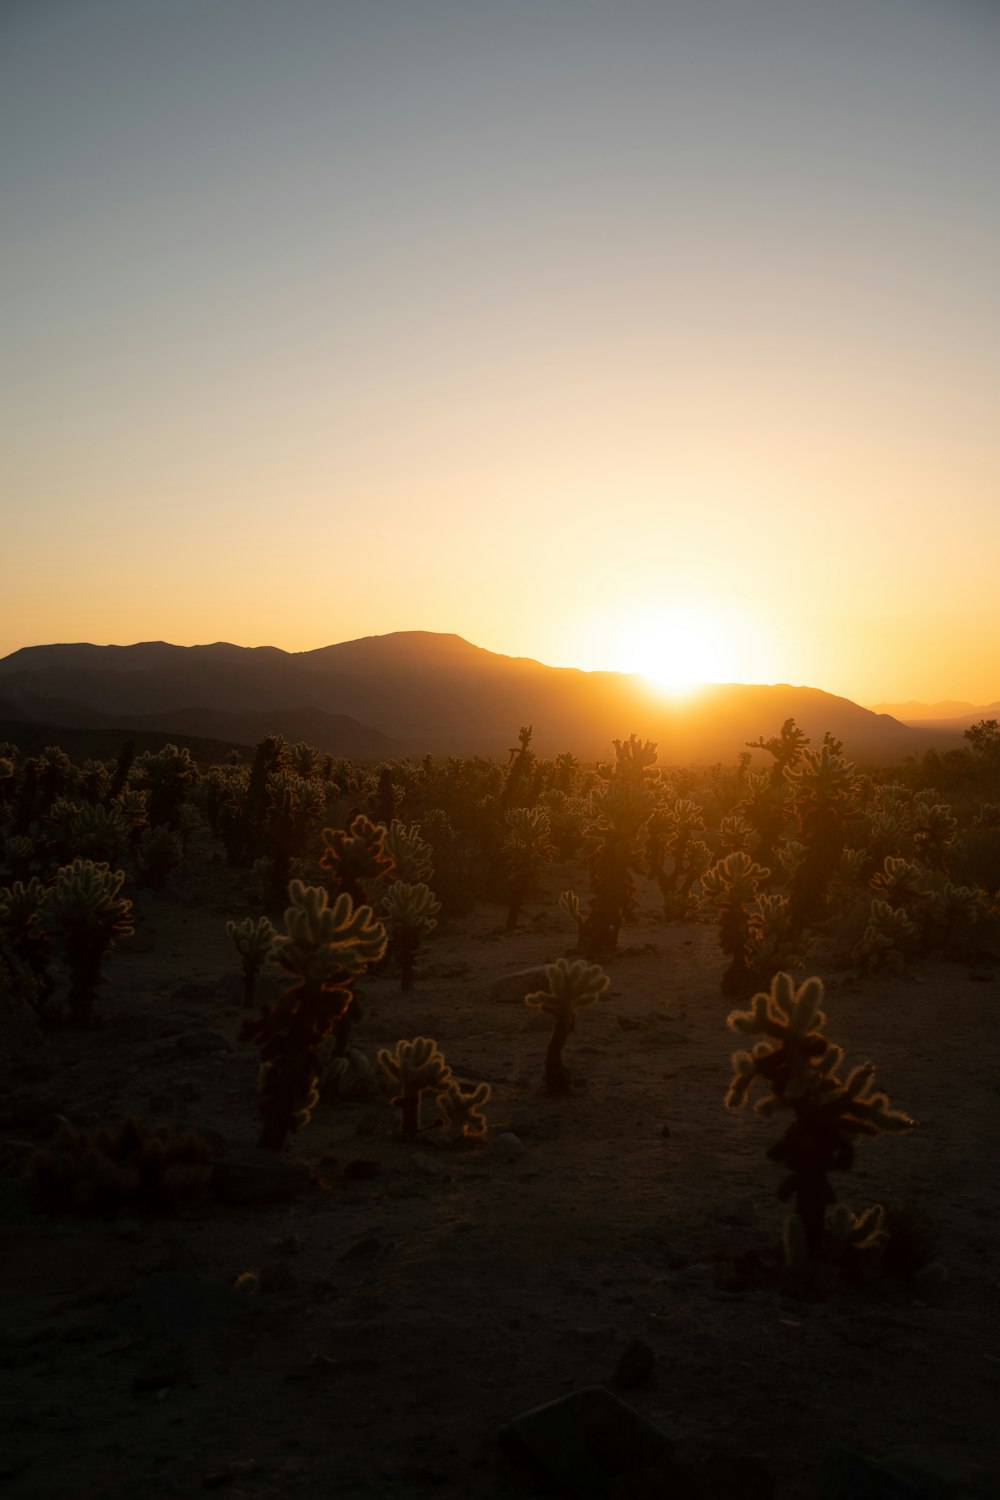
x,y
886,938
460,1110
526,849
130,1167
411,913
159,852
417,1066
24,944
732,885
165,775
798,1063
355,855
410,854
323,949
823,787
568,987
86,916
253,942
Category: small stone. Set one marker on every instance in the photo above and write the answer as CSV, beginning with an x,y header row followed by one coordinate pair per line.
x,y
506,1144
510,989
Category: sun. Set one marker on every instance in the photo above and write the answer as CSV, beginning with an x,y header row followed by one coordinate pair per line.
x,y
679,645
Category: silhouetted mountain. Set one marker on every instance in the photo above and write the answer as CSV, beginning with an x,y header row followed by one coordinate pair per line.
x,y
414,693
948,715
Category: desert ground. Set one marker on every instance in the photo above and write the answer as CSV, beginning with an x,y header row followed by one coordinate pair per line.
x,y
407,1301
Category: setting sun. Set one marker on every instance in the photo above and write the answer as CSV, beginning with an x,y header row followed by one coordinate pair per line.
x,y
679,645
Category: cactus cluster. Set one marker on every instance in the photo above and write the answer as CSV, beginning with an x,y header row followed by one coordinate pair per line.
x,y
798,1064
157,1169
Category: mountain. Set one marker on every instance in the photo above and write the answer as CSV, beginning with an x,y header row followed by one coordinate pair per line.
x,y
954,715
416,693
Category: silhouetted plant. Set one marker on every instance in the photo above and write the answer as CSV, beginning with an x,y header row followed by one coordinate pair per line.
x,y
86,917
733,886
461,1111
797,1062
354,856
165,776
621,805
676,857
324,948
526,850
412,856
131,1167
822,785
569,987
410,913
253,942
25,946
417,1067
158,854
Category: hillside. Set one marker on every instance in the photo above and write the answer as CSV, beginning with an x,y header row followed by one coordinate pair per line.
x,y
416,693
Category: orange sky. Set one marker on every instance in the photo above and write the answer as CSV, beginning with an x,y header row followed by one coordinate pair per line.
x,y
661,339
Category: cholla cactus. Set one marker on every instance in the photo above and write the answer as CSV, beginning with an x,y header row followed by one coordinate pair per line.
x,y
798,1063
165,775
732,885
324,948
99,832
823,787
417,1066
155,1169
355,855
159,852
18,854
461,1113
411,913
886,938
86,916
735,833
854,1243
24,943
411,855
670,835
771,935
526,849
253,942
568,988
934,830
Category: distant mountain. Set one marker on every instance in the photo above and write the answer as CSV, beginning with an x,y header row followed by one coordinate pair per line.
x,y
947,711
416,693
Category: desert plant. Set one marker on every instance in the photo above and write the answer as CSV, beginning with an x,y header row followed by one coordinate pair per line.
x,y
823,786
323,948
462,1113
620,807
159,852
355,855
798,1063
886,938
526,850
86,917
416,1066
25,946
253,942
165,776
156,1169
568,987
411,855
410,912
732,886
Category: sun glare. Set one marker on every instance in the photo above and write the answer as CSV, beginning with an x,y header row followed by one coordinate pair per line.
x,y
678,646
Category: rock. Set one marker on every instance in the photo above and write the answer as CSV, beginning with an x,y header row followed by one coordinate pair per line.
x,y
846,1475
431,1167
288,1244
249,1174
593,1446
506,1144
635,1365
510,989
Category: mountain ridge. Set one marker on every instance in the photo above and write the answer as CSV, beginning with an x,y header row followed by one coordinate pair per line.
x,y
419,692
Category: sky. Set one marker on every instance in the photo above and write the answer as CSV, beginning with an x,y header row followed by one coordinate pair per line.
x,y
655,335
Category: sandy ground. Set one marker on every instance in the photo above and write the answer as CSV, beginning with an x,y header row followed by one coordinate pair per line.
x,y
400,1320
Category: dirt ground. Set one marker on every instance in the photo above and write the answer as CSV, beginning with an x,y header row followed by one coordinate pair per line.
x,y
396,1322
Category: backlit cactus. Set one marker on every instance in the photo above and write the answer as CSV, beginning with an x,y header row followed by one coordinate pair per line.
x,y
461,1111
323,949
86,917
732,885
526,850
569,987
253,941
410,913
412,857
798,1062
355,856
417,1066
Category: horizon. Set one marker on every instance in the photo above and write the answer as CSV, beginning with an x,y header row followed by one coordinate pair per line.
x,y
662,342
676,692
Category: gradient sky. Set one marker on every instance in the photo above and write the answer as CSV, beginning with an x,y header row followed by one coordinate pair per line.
x,y
649,335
